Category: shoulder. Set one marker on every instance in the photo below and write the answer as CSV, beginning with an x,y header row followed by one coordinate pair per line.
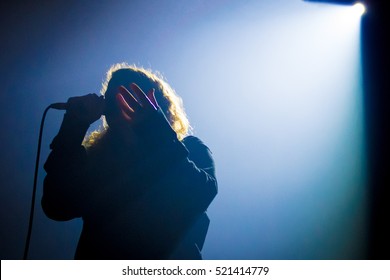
x,y
193,143
198,151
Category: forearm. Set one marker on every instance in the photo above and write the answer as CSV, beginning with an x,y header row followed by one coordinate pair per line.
x,y
62,194
174,203
180,194
187,165
186,192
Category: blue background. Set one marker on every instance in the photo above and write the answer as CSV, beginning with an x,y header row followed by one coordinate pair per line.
x,y
272,87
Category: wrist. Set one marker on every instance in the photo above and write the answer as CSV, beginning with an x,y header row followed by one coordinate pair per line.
x,y
71,133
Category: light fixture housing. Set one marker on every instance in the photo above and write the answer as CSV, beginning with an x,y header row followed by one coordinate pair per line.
x,y
358,7
340,2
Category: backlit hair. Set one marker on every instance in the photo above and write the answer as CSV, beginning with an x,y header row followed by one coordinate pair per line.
x,y
170,103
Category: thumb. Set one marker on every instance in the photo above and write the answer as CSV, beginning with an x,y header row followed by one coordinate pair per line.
x,y
152,98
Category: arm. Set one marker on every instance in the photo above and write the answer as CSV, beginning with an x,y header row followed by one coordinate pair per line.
x,y
63,194
181,191
192,174
181,175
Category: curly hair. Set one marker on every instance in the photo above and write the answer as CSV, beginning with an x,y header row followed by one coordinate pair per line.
x,y
170,103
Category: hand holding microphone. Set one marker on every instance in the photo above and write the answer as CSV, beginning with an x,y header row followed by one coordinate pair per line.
x,y
87,108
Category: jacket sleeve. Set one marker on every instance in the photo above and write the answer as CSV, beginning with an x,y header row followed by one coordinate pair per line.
x,y
62,188
185,187
185,168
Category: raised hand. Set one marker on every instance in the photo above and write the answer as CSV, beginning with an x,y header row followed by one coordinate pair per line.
x,y
87,108
138,107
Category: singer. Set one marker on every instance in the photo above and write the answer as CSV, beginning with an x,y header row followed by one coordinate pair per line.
x,y
141,183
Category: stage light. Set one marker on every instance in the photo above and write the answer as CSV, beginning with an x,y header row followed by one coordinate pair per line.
x,y
336,2
359,8
349,13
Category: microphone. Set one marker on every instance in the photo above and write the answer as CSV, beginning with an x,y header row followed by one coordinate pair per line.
x,y
59,106
65,105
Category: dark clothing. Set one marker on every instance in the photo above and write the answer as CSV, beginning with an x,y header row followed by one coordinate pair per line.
x,y
142,202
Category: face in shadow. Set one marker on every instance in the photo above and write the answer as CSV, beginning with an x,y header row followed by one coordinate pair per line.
x,y
122,77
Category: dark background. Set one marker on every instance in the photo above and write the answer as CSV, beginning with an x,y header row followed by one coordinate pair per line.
x,y
376,80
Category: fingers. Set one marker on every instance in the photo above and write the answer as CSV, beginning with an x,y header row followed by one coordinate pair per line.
x,y
145,101
87,108
125,110
133,109
129,98
152,98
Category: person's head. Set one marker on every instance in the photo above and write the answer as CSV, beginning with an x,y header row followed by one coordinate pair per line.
x,y
169,102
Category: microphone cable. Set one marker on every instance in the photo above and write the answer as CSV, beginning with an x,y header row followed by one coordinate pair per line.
x,y
30,223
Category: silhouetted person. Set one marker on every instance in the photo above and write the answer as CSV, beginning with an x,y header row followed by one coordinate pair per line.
x,y
140,184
